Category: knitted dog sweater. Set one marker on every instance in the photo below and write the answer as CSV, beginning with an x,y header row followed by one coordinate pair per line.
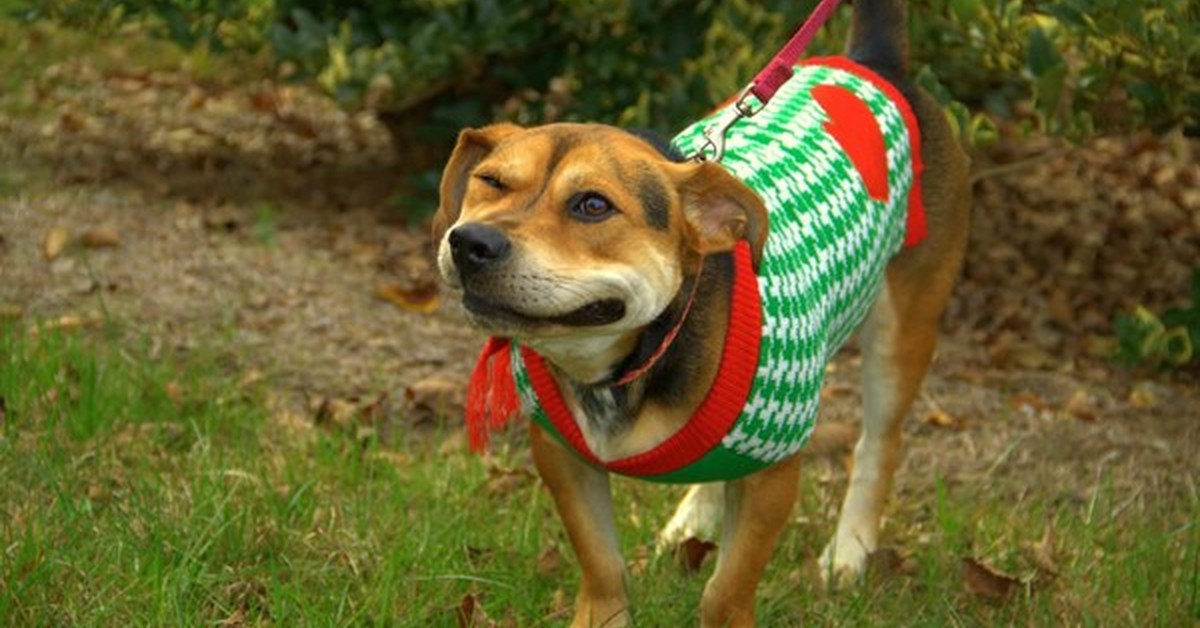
x,y
835,158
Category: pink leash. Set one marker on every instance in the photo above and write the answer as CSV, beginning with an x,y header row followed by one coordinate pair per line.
x,y
768,81
779,69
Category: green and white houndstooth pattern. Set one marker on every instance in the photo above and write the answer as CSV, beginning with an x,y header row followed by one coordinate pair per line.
x,y
825,255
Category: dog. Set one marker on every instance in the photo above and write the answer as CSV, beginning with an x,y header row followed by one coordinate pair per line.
x,y
670,318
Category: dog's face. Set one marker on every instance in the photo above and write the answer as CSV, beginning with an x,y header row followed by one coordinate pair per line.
x,y
575,230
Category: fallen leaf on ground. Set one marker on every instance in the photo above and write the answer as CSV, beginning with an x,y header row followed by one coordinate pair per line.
x,y
1032,357
692,552
330,412
477,555
422,298
941,418
434,398
100,237
560,606
505,481
887,563
1080,406
640,561
831,391
1029,402
66,322
1043,552
1143,395
54,242
549,561
985,582
470,613
455,443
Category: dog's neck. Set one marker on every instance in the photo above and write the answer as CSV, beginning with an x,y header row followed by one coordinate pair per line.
x,y
587,370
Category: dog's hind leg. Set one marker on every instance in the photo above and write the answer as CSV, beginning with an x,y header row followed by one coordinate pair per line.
x,y
698,516
889,382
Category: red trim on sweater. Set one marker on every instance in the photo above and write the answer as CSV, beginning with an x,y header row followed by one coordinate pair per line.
x,y
715,416
915,230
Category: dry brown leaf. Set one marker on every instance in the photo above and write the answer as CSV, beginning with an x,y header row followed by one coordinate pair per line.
x,y
470,613
433,398
1029,401
831,391
1080,406
478,555
330,413
1032,357
421,298
455,443
560,606
66,322
886,563
940,418
640,561
100,237
692,552
505,481
1044,551
54,242
1143,395
986,582
549,561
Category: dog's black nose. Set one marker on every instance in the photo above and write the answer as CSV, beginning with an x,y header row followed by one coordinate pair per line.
x,y
476,245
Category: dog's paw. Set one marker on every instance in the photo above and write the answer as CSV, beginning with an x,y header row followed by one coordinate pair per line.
x,y
698,517
843,562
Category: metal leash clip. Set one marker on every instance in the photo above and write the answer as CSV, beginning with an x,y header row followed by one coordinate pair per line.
x,y
714,133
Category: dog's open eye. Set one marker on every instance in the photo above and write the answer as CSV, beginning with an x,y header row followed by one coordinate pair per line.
x,y
591,207
490,180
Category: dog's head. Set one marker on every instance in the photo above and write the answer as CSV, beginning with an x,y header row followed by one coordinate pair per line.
x,y
574,230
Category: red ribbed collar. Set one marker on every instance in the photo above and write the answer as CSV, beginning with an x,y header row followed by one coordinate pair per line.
x,y
714,417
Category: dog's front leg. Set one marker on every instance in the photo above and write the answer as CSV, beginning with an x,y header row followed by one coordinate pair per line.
x,y
757,508
584,501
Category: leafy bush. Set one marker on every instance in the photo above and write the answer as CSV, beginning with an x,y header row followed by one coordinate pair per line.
x,y
1066,67
430,67
217,24
1170,340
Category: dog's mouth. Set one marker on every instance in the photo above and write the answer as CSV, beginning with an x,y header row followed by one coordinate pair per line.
x,y
594,314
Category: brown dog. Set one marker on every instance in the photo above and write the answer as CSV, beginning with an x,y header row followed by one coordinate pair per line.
x,y
614,264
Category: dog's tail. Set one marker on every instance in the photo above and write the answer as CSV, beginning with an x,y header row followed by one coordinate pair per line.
x,y
879,35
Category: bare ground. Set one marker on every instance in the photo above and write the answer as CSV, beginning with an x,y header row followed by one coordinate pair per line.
x,y
259,222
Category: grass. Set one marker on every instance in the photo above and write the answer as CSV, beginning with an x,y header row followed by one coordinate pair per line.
x,y
142,491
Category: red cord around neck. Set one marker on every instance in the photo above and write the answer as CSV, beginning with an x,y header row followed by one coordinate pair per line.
x,y
633,375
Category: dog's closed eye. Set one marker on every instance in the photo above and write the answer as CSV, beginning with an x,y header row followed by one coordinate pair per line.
x,y
491,181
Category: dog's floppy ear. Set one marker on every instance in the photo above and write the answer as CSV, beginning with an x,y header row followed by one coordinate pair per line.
x,y
722,210
473,145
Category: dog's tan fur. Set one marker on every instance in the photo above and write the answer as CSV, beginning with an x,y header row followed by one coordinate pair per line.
x,y
670,217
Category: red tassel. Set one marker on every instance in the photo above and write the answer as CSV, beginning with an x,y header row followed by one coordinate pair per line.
x,y
491,394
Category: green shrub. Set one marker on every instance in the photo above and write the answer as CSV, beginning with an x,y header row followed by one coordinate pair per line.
x,y
1065,67
1170,340
430,67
